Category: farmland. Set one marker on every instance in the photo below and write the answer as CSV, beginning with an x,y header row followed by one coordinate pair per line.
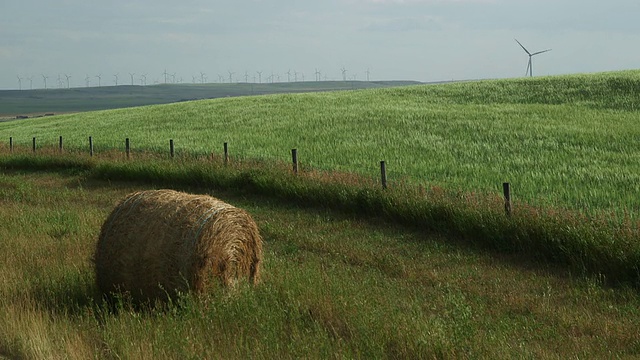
x,y
562,141
429,268
51,101
334,285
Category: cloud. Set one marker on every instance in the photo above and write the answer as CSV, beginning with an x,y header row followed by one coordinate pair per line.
x,y
403,24
429,1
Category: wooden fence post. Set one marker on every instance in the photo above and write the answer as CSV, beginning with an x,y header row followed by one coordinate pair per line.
x,y
171,148
294,158
383,174
90,146
127,147
34,144
226,153
60,144
506,189
10,144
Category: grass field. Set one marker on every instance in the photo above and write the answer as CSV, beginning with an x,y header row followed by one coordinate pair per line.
x,y
567,141
429,268
334,286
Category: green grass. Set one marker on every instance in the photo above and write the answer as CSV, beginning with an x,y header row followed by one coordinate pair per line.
x,y
567,141
334,286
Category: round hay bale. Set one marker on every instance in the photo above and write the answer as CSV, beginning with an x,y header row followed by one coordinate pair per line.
x,y
157,243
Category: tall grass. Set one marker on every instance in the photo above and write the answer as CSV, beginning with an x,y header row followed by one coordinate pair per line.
x,y
334,286
588,244
564,141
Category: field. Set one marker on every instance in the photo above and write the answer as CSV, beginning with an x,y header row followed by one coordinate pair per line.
x,y
40,101
562,141
429,268
334,286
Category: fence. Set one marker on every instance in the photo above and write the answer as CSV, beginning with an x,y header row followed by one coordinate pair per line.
x,y
506,187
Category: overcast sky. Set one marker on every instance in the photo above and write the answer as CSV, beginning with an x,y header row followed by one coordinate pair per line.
x,y
425,40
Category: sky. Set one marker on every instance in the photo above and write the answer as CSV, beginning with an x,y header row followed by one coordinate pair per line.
x,y
100,42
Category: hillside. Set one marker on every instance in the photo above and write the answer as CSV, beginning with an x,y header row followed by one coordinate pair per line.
x,y
39,102
569,141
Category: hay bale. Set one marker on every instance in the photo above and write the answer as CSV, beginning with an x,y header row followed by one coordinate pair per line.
x,y
159,242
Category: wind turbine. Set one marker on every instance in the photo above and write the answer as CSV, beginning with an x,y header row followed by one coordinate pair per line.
x,y
45,80
165,75
246,76
116,76
202,76
317,74
230,76
259,76
86,80
19,82
131,74
68,77
344,74
289,75
529,64
99,76
30,78
143,79
367,72
173,78
295,76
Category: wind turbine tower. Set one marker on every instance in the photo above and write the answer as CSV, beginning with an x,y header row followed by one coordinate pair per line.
x,y
99,76
344,74
131,74
202,76
259,77
30,78
165,75
44,78
317,74
289,75
86,80
529,64
231,76
116,77
368,72
68,77
19,82
143,79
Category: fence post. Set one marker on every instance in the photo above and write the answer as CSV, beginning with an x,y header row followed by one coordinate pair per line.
x,y
90,146
294,158
10,144
506,189
34,144
226,153
127,147
171,149
60,144
383,174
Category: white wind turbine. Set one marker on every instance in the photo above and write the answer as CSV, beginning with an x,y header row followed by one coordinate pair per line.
x,y
531,55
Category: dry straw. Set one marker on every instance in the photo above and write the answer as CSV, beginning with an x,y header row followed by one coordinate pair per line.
x,y
157,243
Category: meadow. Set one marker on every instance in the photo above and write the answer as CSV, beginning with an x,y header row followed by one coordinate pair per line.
x,y
334,286
429,268
567,141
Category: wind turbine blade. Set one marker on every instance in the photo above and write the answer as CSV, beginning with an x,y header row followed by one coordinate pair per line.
x,y
522,46
540,52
